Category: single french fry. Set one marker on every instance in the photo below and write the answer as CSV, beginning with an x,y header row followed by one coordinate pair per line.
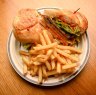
x,y
67,51
48,65
45,34
42,40
58,67
37,63
35,69
42,60
53,65
41,56
59,58
33,51
54,72
40,75
24,69
44,71
23,53
49,52
51,73
74,59
25,60
46,46
69,66
69,48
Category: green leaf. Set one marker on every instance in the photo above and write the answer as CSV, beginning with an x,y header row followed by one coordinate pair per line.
x,y
66,27
27,46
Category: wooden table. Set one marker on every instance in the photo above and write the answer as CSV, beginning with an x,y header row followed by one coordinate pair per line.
x,y
12,84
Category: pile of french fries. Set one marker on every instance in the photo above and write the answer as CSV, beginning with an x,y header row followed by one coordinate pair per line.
x,y
49,58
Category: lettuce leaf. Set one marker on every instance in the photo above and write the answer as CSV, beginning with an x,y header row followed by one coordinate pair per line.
x,y
66,27
27,46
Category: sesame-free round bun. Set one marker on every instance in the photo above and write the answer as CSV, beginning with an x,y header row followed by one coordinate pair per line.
x,y
24,22
26,26
25,18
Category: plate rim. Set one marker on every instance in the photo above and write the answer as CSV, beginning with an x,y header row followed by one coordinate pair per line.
x,y
48,84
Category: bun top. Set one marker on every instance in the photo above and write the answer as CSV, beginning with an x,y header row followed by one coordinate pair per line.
x,y
25,18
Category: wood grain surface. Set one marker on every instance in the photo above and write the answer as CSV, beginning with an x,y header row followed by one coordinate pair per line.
x,y
12,84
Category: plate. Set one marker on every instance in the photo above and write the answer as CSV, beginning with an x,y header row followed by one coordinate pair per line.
x,y
16,61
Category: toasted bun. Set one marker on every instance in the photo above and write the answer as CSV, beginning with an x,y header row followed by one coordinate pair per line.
x,y
25,18
26,26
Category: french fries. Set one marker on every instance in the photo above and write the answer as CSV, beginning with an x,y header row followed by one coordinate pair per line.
x,y
46,46
59,67
40,75
25,60
48,65
75,59
69,66
47,39
24,69
49,58
69,48
53,64
60,59
44,71
42,40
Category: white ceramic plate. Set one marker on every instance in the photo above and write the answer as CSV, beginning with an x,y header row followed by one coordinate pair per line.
x,y
15,59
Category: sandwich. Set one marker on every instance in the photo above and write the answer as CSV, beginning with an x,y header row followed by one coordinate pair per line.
x,y
64,25
68,26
